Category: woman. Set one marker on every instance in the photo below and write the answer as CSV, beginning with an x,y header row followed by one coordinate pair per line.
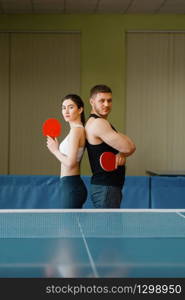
x,y
70,152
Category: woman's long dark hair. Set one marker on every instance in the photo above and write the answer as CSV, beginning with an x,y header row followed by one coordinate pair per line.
x,y
78,101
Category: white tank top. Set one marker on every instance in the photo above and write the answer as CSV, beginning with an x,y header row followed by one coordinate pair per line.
x,y
64,146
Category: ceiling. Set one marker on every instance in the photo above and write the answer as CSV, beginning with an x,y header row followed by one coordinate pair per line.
x,y
92,6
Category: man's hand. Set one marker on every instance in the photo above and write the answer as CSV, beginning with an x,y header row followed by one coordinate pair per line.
x,y
120,159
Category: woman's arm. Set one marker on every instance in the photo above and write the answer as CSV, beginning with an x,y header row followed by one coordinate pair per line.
x,y
70,159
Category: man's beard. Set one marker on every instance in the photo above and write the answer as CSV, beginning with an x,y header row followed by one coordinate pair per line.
x,y
98,112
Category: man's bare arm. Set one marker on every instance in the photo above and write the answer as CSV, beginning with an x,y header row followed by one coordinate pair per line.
x,y
102,129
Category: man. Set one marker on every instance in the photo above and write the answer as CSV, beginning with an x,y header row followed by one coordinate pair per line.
x,y
102,137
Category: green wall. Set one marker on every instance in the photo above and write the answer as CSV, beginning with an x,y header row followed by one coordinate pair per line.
x,y
103,56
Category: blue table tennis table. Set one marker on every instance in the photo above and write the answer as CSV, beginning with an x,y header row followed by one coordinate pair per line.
x,y
92,243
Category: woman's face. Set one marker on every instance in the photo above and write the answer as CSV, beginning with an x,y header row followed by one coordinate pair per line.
x,y
70,111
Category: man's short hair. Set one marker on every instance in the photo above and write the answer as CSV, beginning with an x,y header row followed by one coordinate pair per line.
x,y
100,88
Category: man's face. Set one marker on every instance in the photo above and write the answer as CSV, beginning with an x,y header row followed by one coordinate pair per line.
x,y
102,104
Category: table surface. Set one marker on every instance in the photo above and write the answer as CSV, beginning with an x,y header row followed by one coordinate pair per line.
x,y
133,243
165,172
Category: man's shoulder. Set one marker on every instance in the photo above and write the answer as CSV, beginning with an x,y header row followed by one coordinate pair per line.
x,y
97,123
92,121
98,128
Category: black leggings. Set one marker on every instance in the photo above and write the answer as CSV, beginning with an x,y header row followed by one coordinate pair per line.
x,y
73,192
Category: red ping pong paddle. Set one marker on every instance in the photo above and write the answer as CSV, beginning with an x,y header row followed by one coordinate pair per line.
x,y
51,127
108,161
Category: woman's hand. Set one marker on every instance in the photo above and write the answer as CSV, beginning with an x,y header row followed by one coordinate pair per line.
x,y
52,144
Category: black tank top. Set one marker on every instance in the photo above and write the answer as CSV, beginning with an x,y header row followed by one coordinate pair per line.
x,y
101,177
